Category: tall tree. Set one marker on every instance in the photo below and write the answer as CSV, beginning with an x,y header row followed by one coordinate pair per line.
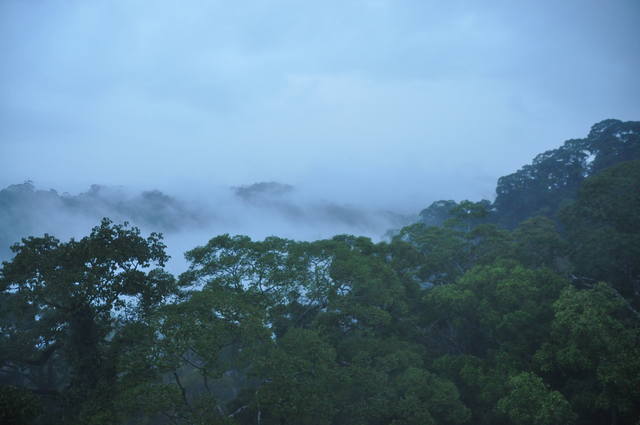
x,y
63,303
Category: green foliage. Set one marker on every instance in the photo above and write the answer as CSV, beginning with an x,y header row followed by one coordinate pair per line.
x,y
464,215
603,227
555,176
501,307
63,302
537,243
594,351
437,213
444,252
481,383
531,402
300,380
179,366
18,406
467,214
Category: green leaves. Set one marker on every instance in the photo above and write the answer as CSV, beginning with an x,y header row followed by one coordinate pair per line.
x,y
503,306
300,380
594,341
64,302
18,406
96,271
531,402
193,356
604,229
554,177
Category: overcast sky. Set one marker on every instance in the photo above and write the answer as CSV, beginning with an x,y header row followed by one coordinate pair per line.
x,y
386,102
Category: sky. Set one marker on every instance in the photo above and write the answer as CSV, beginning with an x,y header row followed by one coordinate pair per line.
x,y
389,104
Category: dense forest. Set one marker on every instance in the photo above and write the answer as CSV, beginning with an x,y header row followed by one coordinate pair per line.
x,y
524,310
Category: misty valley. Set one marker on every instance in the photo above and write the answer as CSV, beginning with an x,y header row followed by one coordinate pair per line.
x,y
260,304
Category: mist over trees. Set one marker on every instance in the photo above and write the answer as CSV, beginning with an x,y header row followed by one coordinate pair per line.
x,y
260,209
26,210
522,310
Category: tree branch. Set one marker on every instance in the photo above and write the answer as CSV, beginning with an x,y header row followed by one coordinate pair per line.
x,y
183,391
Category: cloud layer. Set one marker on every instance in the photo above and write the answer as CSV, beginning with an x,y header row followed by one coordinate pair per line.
x,y
374,103
258,210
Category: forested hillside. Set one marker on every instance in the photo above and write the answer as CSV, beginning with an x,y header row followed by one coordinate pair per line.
x,y
520,311
553,178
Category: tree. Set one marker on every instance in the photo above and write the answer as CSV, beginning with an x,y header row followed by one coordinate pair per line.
x,y
531,402
538,244
481,382
300,380
17,406
499,309
468,214
554,177
603,227
63,303
437,213
593,355
445,252
191,358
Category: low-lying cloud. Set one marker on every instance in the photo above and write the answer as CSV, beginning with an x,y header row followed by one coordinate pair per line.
x,y
258,210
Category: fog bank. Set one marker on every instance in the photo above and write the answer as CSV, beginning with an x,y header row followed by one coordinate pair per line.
x,y
257,210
